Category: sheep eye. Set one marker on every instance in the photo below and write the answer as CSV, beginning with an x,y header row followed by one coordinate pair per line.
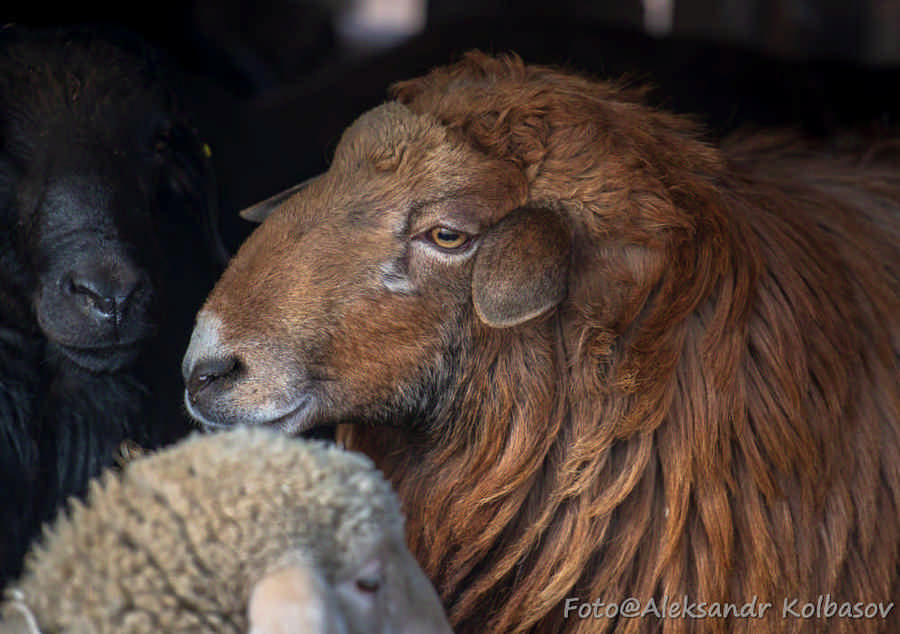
x,y
446,238
368,585
161,141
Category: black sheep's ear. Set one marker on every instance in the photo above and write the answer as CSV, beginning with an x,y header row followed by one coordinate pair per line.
x,y
191,179
261,210
521,268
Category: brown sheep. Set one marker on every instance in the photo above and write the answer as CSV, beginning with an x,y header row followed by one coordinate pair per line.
x,y
599,358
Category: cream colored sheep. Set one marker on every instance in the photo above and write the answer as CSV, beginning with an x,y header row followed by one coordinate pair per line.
x,y
231,532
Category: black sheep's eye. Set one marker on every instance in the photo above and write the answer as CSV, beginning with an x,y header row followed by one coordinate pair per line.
x,y
447,238
161,141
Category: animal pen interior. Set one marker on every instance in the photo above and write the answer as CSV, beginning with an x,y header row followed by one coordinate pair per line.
x,y
266,81
264,93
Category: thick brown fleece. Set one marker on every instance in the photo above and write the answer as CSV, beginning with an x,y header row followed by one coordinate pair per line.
x,y
710,409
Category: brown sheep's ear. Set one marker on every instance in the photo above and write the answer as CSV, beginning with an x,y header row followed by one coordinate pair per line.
x,y
261,210
521,268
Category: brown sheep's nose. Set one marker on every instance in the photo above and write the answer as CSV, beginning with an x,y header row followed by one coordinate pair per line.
x,y
206,372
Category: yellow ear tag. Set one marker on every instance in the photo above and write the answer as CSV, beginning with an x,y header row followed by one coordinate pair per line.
x,y
207,151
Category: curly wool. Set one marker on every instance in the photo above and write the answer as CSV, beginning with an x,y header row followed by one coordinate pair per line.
x,y
130,561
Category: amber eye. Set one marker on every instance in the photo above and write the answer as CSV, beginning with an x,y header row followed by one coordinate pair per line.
x,y
447,238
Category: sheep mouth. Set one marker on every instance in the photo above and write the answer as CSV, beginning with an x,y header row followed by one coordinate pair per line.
x,y
296,420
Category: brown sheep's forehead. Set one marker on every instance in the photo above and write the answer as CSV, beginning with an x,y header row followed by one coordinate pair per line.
x,y
418,160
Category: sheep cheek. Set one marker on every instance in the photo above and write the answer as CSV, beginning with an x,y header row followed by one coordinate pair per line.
x,y
402,600
414,599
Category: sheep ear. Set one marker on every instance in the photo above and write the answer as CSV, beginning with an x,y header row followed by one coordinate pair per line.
x,y
293,598
261,210
521,268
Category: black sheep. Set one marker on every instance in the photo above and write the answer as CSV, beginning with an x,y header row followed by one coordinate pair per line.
x,y
107,247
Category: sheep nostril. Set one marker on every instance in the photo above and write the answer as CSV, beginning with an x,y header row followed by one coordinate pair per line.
x,y
105,298
207,372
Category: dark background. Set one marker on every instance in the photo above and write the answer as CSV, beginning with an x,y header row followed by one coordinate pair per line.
x,y
271,84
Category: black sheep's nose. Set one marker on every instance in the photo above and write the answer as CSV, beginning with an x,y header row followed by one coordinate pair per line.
x,y
206,372
102,294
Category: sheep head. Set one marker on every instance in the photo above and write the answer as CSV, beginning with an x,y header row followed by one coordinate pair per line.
x,y
348,301
96,160
245,531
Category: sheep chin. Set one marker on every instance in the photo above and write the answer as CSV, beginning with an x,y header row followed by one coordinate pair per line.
x,y
98,360
298,420
292,420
